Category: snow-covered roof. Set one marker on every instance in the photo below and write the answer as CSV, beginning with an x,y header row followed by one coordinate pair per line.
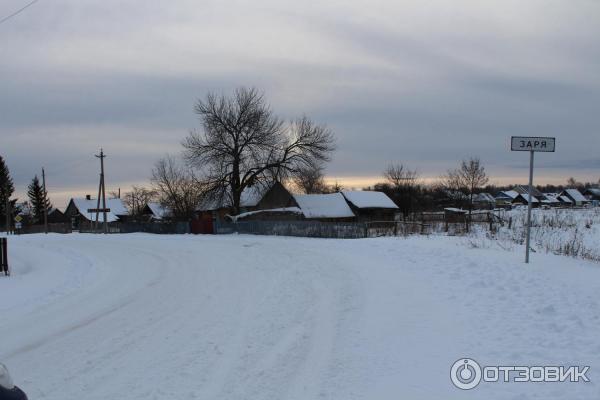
x,y
550,198
526,198
565,199
575,194
283,210
116,207
525,189
508,194
323,205
250,197
484,197
593,191
455,210
369,199
158,211
25,209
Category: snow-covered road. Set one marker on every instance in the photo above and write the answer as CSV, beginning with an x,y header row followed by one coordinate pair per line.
x,y
252,317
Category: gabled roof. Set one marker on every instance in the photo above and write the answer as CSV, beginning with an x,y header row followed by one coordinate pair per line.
x,y
323,205
116,206
593,191
158,211
565,199
550,198
369,199
524,190
54,210
574,194
250,197
484,197
508,194
526,198
25,209
283,210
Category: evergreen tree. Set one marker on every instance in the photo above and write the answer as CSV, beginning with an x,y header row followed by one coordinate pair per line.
x,y
6,190
38,199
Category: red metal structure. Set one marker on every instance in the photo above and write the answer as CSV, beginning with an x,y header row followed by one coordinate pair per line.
x,y
202,225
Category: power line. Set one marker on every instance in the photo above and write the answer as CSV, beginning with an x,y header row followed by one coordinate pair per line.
x,y
19,11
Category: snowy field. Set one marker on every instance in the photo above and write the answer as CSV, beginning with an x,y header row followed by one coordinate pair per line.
x,y
571,232
138,316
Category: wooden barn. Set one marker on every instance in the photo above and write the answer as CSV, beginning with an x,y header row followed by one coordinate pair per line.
x,y
575,196
254,198
153,211
371,205
324,207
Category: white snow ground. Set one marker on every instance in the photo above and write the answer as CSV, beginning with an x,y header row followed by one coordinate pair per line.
x,y
252,317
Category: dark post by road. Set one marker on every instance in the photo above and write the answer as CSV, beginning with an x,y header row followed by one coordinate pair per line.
x,y
4,256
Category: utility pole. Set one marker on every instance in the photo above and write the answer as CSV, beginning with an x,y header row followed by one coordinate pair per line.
x,y
101,192
45,201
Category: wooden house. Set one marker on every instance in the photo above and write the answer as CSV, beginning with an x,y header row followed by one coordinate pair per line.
x,y
371,205
592,194
575,196
324,207
78,213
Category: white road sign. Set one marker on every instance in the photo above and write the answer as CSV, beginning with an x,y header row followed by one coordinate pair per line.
x,y
532,143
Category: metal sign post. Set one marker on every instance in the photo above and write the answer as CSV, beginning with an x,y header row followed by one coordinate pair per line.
x,y
531,144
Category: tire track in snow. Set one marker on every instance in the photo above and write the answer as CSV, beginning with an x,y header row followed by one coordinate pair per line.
x,y
306,384
95,317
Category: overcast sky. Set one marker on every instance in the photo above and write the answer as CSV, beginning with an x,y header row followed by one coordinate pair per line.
x,y
425,83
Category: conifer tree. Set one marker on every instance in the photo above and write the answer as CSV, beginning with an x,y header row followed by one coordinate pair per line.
x,y
6,190
38,199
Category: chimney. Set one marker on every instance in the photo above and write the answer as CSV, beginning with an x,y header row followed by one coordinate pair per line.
x,y
88,197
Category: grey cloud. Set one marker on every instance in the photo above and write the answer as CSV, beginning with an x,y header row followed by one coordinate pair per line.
x,y
428,96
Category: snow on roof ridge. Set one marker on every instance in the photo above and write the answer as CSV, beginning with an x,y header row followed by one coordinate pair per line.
x,y
116,208
331,205
369,199
294,210
575,194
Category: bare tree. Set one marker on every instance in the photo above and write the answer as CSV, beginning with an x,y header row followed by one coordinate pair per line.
x,y
466,179
399,176
176,187
574,183
404,183
310,180
137,198
244,144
